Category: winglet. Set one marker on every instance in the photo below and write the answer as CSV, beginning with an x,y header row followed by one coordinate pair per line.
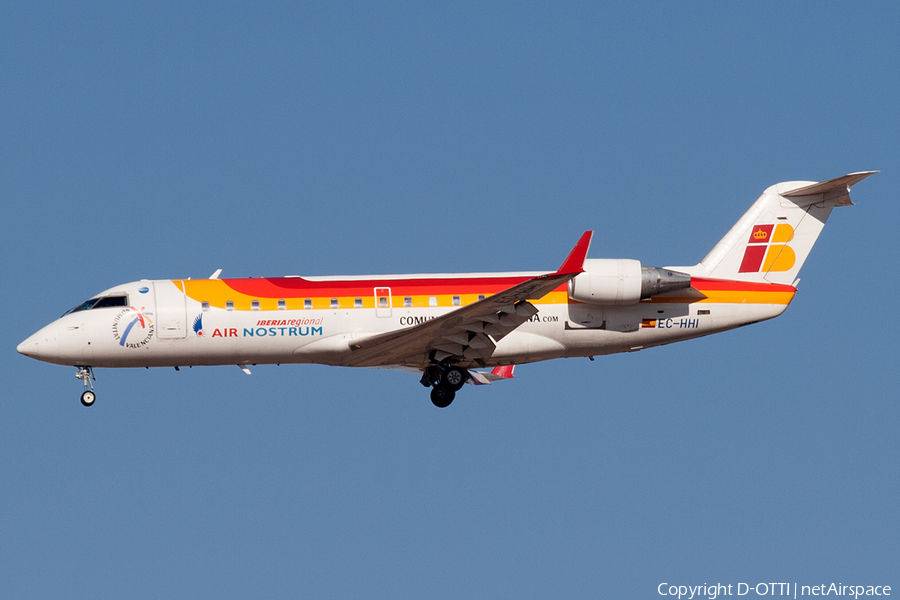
x,y
504,372
496,374
574,262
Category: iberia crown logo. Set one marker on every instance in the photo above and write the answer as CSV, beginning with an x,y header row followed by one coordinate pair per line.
x,y
769,242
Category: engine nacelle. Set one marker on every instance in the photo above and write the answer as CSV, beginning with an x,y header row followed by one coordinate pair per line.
x,y
618,281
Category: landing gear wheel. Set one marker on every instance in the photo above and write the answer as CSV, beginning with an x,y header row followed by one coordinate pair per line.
x,y
454,378
86,375
442,396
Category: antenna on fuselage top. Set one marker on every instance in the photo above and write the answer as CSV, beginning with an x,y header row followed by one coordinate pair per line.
x,y
216,274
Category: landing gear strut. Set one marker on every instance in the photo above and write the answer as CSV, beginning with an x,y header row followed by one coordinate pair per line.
x,y
86,375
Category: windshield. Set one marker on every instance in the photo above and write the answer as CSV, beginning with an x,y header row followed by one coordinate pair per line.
x,y
105,302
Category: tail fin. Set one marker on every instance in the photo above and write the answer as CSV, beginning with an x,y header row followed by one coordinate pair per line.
x,y
772,240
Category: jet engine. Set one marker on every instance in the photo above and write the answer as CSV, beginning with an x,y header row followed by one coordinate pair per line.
x,y
619,281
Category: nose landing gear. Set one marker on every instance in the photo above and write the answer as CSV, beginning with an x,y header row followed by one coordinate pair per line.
x,y
86,375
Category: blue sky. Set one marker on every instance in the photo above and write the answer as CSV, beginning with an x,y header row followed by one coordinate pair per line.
x,y
165,140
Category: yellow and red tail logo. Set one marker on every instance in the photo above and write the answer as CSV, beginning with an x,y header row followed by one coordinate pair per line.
x,y
769,242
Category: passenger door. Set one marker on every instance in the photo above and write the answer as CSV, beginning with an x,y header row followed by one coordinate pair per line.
x,y
382,302
171,312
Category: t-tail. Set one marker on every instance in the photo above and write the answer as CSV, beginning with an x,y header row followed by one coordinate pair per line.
x,y
771,241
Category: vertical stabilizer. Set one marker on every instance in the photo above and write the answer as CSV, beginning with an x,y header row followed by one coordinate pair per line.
x,y
771,241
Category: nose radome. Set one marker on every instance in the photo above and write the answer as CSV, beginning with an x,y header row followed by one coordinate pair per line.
x,y
30,347
43,345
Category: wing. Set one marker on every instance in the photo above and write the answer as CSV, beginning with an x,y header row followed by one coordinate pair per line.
x,y
468,334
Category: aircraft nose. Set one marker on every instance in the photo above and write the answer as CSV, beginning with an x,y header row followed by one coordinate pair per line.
x,y
43,345
30,347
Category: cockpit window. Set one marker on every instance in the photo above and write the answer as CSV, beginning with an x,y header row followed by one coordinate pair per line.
x,y
105,302
111,301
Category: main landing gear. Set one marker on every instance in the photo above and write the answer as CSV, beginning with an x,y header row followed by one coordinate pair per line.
x,y
446,381
86,375
442,396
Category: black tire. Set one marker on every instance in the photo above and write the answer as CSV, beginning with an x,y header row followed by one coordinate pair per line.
x,y
88,398
454,378
442,396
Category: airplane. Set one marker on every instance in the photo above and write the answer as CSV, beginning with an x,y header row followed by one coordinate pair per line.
x,y
452,329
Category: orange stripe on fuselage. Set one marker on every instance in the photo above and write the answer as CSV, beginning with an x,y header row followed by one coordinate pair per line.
x,y
295,290
722,291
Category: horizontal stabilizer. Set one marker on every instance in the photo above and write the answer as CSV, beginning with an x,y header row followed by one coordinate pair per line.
x,y
836,192
838,183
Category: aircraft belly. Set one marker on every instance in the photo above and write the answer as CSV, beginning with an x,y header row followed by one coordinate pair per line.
x,y
522,347
659,326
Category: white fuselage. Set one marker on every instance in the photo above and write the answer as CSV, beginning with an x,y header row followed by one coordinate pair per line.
x,y
161,324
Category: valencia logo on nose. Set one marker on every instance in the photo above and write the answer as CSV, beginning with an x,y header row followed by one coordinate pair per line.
x,y
769,242
122,326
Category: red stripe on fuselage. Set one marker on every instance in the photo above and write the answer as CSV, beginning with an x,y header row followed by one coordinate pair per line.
x,y
743,286
280,287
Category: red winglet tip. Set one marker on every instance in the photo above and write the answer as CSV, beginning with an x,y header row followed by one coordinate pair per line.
x,y
506,372
574,262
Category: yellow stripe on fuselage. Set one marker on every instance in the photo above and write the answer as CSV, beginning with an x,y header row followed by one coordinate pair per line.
x,y
730,297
